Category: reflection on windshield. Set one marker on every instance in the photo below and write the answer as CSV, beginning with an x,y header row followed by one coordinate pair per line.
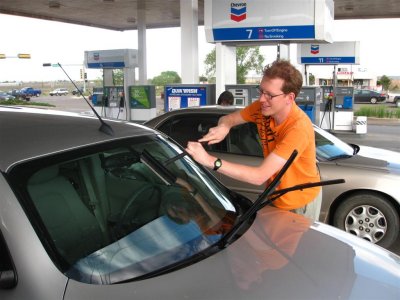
x,y
329,147
112,217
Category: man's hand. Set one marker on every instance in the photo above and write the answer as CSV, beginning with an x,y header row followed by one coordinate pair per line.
x,y
196,150
215,134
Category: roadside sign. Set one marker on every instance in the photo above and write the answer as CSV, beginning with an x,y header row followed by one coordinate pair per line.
x,y
329,54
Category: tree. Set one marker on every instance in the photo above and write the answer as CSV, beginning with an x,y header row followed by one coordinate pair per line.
x,y
385,82
311,79
203,78
165,78
247,59
118,77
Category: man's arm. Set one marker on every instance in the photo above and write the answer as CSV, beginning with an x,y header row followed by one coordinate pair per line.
x,y
253,175
225,123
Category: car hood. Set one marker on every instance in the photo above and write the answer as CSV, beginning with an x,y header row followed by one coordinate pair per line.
x,y
374,158
281,256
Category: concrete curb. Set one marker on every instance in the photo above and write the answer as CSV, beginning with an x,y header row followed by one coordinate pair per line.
x,y
383,121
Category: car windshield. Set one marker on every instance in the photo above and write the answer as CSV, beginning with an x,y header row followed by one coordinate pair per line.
x,y
329,147
123,210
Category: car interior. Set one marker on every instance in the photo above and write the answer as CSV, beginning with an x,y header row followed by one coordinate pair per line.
x,y
99,200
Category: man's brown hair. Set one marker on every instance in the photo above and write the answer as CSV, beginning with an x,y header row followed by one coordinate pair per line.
x,y
283,69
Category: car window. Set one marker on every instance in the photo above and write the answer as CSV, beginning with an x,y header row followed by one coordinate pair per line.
x,y
329,147
191,128
242,139
110,210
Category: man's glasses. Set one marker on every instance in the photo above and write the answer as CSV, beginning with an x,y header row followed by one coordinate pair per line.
x,y
267,94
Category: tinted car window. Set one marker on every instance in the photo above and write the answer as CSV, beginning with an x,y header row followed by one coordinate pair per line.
x,y
116,212
191,128
242,139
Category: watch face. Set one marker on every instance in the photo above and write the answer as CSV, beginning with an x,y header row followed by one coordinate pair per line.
x,y
217,164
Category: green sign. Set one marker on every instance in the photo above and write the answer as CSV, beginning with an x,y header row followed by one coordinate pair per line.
x,y
139,96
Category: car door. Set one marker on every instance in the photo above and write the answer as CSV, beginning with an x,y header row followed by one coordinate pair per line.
x,y
241,145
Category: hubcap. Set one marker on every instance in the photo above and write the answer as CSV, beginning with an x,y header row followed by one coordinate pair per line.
x,y
366,222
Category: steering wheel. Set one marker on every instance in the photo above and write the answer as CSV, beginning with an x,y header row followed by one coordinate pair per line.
x,y
128,218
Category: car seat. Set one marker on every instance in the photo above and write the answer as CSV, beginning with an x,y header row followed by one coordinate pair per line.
x,y
71,226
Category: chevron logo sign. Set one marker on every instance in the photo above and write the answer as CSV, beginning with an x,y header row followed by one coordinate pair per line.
x,y
238,11
314,49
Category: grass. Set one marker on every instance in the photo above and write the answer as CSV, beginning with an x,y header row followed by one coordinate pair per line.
x,y
23,102
380,111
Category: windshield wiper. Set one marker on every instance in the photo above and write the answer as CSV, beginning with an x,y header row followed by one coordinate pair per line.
x,y
158,168
227,239
339,156
270,194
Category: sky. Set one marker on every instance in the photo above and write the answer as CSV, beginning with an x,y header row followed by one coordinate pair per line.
x,y
53,42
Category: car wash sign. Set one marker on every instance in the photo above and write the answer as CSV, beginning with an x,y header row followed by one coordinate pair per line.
x,y
329,54
184,96
230,21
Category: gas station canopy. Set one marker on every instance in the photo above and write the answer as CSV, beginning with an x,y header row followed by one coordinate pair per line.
x,y
122,14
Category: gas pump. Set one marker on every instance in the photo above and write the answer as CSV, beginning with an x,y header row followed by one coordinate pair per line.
x,y
337,112
343,108
326,107
243,94
309,100
114,103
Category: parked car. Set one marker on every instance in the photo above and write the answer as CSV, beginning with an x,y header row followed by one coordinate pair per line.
x,y
59,92
367,205
15,93
6,96
394,98
99,209
369,96
77,92
30,92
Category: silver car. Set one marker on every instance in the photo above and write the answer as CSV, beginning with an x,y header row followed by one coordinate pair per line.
x,y
99,209
366,205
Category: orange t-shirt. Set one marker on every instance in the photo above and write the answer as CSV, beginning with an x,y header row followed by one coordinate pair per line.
x,y
296,132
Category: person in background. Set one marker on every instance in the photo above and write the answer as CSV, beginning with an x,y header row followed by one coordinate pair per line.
x,y
226,98
283,127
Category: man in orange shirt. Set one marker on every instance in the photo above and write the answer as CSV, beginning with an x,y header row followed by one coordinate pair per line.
x,y
283,127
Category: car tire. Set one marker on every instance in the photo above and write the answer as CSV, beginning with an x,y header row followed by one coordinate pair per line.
x,y
369,216
374,100
397,103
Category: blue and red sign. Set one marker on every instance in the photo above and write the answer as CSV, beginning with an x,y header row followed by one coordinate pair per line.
x,y
314,49
238,11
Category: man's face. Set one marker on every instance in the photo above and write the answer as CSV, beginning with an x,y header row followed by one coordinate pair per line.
x,y
272,99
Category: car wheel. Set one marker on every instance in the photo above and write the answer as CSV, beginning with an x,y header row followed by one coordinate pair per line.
x,y
398,102
374,100
368,216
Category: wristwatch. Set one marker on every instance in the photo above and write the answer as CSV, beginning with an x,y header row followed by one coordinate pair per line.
x,y
217,164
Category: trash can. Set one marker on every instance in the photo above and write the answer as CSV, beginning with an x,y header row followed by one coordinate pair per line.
x,y
361,125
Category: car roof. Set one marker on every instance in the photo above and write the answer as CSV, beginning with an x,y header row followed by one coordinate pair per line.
x,y
223,109
26,133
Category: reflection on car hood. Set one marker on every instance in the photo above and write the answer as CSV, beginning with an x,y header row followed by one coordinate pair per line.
x,y
374,158
281,256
